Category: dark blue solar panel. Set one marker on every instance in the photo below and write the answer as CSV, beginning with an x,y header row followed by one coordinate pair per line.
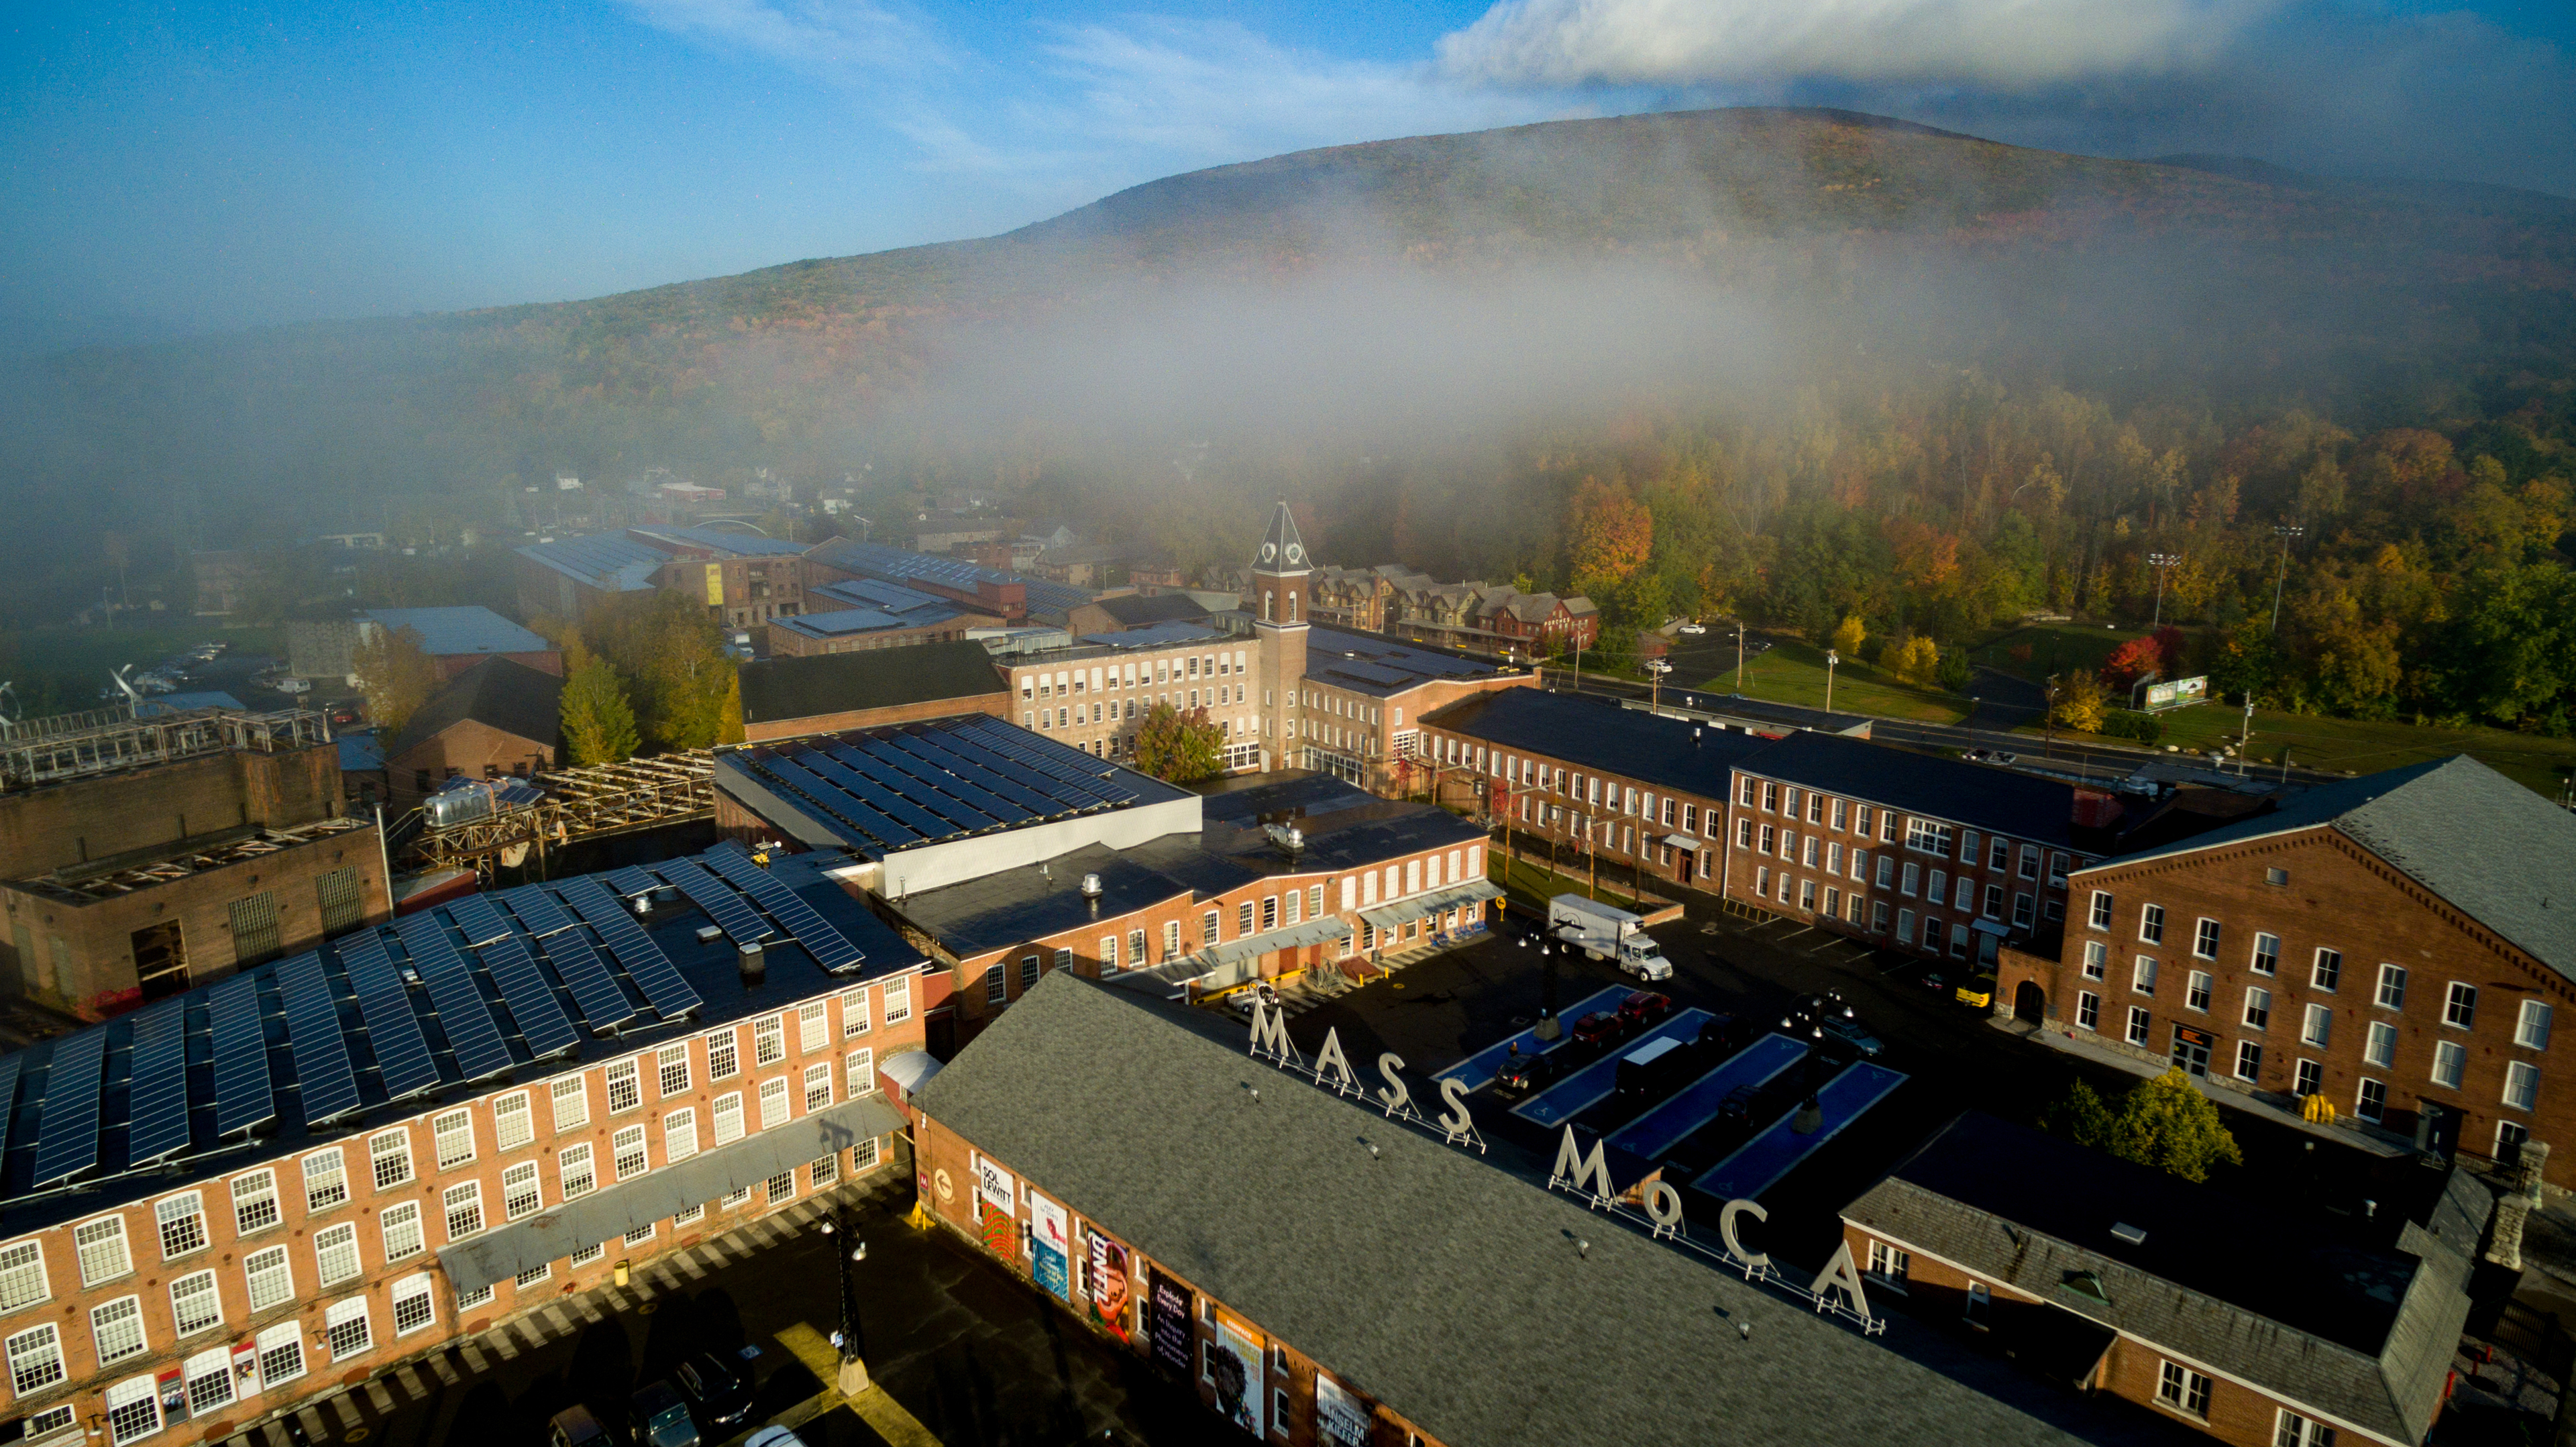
x,y
844,765
323,1075
941,770
631,881
524,988
9,1068
402,1052
723,904
955,798
156,1086
650,969
67,1135
479,919
829,947
472,1033
243,1095
595,991
1081,772
790,776
977,765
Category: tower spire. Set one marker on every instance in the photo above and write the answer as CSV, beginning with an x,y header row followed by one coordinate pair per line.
x,y
1282,550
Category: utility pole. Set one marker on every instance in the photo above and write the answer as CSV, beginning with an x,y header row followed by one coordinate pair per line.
x,y
2245,745
2285,532
2162,563
1739,656
1831,658
847,1249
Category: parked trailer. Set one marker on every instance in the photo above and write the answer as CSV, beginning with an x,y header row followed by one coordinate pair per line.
x,y
1605,933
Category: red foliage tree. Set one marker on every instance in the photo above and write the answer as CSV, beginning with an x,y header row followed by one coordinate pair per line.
x,y
2169,651
2130,662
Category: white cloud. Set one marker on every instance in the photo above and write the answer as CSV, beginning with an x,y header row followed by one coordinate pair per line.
x,y
829,37
2008,43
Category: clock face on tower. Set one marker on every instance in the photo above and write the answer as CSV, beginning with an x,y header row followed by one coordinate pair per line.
x,y
1269,551
1296,554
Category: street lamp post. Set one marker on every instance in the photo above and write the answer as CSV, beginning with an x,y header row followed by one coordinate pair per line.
x,y
1739,656
847,1250
2161,562
1831,658
2285,532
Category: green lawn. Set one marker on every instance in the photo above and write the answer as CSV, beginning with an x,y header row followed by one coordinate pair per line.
x,y
2054,648
1532,885
93,653
2362,747
1794,672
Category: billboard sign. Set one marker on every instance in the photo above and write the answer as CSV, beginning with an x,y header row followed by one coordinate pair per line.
x,y
2156,694
1171,1317
1340,1418
1050,1247
1234,1367
1109,1290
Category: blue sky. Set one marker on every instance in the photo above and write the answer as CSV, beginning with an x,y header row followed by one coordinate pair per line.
x,y
217,166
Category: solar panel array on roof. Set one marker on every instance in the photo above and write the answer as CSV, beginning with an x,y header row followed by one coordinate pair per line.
x,y
722,903
524,989
609,561
650,969
156,1089
922,783
829,947
595,992
67,1132
10,1065
402,1052
472,1033
631,882
1365,672
902,563
244,1096
323,1075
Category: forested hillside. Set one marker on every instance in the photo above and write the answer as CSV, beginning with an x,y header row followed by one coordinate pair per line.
x,y
1801,363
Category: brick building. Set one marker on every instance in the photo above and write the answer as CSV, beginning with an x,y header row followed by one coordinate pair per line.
x,y
2397,944
239,1198
783,698
1332,1278
860,615
2259,1326
497,719
1122,611
1016,597
745,579
454,638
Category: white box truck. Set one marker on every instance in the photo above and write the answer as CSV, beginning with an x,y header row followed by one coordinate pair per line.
x,y
1603,933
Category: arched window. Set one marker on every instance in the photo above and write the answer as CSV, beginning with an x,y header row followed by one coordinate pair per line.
x,y
1265,606
1292,606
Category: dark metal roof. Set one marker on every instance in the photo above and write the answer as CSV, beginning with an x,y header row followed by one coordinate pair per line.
x,y
1998,800
1135,610
459,630
1597,734
1343,827
903,564
1366,663
775,689
1441,1285
500,693
1030,902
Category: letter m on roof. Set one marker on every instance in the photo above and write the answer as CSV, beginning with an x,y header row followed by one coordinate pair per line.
x,y
1575,1170
1270,1036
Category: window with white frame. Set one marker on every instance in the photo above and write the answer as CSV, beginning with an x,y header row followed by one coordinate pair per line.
x,y
2380,1046
101,1247
534,1276
344,1326
2197,987
2531,1026
818,1086
400,1226
2293,1430
2308,1079
196,1303
209,1380
724,1054
2266,958
897,1003
2100,918
513,1124
2371,1102
182,1219
255,1202
825,1170
22,1275
813,1025
463,1205
281,1353
625,1086
2258,1008
326,1181
2138,1026
453,1131
590,1255
2151,923
680,1134
269,1278
2315,1025
727,1118
773,1103
627,1150
133,1410
522,1193
482,1295
782,1187
863,1156
2460,1006
2249,1060
1927,836
854,1003
2183,1389
2521,1084
335,1253
575,1172
690,1217
2392,987
2097,957
50,1419
2204,939
571,1096
997,984
2088,1010
116,1327
639,1237
2450,1063
736,1199
860,1075
35,1359
415,1304
671,1070
2142,976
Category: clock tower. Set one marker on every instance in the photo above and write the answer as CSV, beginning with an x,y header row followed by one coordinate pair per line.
x,y
1278,603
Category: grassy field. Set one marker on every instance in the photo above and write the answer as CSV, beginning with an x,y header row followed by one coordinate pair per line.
x,y
2539,764
2054,648
1794,672
91,654
1531,885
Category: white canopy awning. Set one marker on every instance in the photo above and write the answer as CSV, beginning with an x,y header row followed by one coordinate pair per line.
x,y
1431,902
1235,961
1682,841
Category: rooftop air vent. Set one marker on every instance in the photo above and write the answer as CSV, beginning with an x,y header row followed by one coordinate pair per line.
x,y
708,934
1091,886
2134,1235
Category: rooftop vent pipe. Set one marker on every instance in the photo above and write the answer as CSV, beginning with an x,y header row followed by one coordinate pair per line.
x,y
1091,886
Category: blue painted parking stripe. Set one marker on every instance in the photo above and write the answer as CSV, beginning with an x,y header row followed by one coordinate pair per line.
x,y
1760,1163
1592,1084
1478,1070
1660,1129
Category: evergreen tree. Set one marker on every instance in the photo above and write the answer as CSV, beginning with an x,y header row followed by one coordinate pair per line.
x,y
598,722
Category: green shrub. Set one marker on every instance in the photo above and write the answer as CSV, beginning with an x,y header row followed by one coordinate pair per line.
x,y
2121,723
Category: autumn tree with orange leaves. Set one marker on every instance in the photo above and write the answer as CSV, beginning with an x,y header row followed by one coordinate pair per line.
x,y
1609,535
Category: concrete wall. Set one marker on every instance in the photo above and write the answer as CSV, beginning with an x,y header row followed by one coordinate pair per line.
x,y
929,866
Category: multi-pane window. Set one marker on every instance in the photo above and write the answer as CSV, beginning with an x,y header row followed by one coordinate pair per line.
x,y
813,1025
671,1069
2531,1026
2380,1048
195,1303
209,1376
2142,977
2372,1101
574,1169
255,1202
101,1245
2138,1023
454,1134
270,1278
326,1181
2460,1006
2183,1389
2258,1008
35,1359
463,1203
2450,1063
402,1233
2204,939
390,1155
625,1087
521,1194
627,1148
2267,954
773,1103
2316,1025
534,1275
2151,924
2521,1084
183,1224
854,1003
344,1326
281,1353
513,1124
22,1275
2392,987
134,1405
2327,973
2196,990
2088,1010
2293,1430
2249,1060
2100,918
2309,1079
861,1074
571,1101
818,1086
680,1133
415,1304
335,1252
782,1187
2097,956
117,1329
724,1055
769,1040
863,1156
997,986
728,1118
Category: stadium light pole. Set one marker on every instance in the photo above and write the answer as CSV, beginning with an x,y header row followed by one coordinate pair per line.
x,y
2285,532
1831,658
2162,563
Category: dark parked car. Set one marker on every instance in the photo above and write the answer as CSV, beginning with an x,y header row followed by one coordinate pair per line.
x,y
718,1391
1602,1028
1644,1007
1849,1034
659,1418
1527,1074
1739,1105
1721,1031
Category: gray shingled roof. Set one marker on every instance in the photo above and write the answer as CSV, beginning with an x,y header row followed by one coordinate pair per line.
x,y
2501,854
1426,1277
2375,1330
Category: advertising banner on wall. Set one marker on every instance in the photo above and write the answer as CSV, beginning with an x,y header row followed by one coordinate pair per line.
x,y
1171,1313
172,1385
1050,1245
1340,1419
997,1186
1109,1295
246,1370
1234,1364
996,1209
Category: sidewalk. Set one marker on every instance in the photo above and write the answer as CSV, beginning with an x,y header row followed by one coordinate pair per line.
x,y
2343,1132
